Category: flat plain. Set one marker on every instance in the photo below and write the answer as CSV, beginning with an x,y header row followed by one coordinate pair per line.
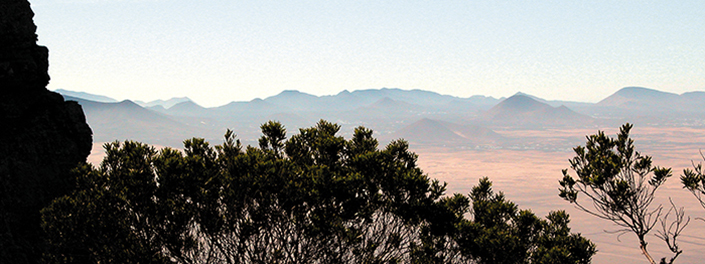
x,y
529,176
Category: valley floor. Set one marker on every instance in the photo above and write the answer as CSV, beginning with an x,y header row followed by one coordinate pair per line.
x,y
528,174
530,179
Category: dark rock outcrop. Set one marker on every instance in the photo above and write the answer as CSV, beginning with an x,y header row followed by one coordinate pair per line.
x,y
42,137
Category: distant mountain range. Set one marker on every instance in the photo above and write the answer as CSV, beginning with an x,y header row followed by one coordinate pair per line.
x,y
127,120
422,117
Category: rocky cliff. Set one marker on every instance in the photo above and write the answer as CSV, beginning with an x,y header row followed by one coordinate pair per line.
x,y
42,137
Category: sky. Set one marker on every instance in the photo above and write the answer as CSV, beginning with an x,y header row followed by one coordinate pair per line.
x,y
218,51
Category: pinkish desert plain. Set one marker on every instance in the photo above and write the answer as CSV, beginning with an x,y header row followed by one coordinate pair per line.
x,y
529,177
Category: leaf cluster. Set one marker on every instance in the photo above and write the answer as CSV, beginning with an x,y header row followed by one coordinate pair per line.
x,y
618,180
694,181
313,198
621,185
501,233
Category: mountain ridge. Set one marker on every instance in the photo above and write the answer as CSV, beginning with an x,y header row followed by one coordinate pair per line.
x,y
87,96
391,111
427,97
524,111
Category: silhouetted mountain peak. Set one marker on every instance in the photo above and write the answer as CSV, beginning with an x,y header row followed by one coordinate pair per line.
x,y
695,99
294,99
385,102
344,95
428,130
524,94
521,103
641,92
186,106
128,103
87,96
694,93
639,98
428,123
164,103
259,101
563,108
538,99
418,97
521,110
289,94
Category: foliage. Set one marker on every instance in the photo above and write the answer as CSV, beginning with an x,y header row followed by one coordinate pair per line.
x,y
501,233
694,181
621,185
109,217
314,198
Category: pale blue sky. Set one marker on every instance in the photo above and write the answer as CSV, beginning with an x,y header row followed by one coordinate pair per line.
x,y
220,51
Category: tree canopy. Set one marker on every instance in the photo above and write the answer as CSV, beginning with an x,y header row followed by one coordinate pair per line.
x,y
313,198
620,185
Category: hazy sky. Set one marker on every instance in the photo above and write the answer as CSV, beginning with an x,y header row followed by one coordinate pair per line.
x,y
229,50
